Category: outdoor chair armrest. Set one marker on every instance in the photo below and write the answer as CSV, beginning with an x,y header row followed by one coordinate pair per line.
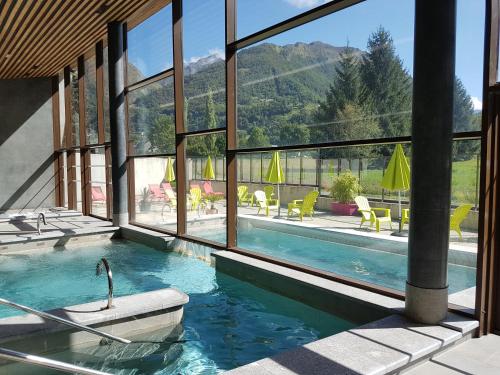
x,y
297,201
386,210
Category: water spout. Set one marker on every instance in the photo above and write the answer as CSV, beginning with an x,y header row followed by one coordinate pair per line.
x,y
98,271
41,217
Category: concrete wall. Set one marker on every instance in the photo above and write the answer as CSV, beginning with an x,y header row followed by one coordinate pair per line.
x,y
26,144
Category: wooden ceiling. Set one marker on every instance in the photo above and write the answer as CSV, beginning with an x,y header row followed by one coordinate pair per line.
x,y
39,37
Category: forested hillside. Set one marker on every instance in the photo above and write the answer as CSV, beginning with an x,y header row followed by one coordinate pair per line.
x,y
294,94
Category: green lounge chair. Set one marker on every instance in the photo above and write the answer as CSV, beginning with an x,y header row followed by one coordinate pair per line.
x,y
195,195
243,196
405,217
458,216
368,213
170,200
269,190
302,207
263,203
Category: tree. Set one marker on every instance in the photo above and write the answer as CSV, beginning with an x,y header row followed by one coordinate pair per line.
x,y
291,134
464,119
345,89
209,144
186,112
211,123
354,123
343,113
386,85
161,135
257,138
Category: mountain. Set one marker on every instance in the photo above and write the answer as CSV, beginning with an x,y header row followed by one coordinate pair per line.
x,y
202,63
134,74
276,85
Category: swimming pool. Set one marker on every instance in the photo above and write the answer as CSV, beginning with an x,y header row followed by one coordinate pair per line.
x,y
383,268
227,322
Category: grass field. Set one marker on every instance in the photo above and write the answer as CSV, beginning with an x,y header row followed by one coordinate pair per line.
x,y
463,182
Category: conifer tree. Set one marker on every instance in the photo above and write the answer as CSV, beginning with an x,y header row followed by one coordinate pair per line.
x,y
386,85
211,123
346,87
464,120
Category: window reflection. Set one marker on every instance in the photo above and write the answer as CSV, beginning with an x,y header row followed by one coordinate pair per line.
x,y
151,118
204,68
75,107
149,46
155,192
91,101
206,186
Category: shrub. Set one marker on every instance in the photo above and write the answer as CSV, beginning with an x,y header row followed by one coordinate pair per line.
x,y
345,187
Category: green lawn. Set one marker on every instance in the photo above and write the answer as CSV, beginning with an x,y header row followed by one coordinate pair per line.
x,y
463,182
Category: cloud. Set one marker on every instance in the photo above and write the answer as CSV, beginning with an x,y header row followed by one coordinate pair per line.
x,y
219,53
477,103
306,3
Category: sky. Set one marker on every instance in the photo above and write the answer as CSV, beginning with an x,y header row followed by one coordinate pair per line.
x,y
150,44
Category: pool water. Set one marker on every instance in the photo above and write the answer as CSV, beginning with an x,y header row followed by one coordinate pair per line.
x,y
227,323
377,267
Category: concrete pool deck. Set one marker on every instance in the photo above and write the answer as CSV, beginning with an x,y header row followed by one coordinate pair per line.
x,y
476,356
389,345
69,227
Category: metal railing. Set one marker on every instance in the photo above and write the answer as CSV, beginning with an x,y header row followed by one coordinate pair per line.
x,y
13,355
81,327
98,271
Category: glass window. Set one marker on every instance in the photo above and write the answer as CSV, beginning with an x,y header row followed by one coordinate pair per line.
x,y
256,165
75,107
325,231
206,195
220,168
464,220
292,167
244,167
98,191
469,65
204,69
326,81
62,112
151,118
155,194
308,169
465,176
76,178
91,101
149,46
256,15
107,136
311,233
64,171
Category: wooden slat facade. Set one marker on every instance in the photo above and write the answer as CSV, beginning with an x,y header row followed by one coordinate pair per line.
x,y
38,38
